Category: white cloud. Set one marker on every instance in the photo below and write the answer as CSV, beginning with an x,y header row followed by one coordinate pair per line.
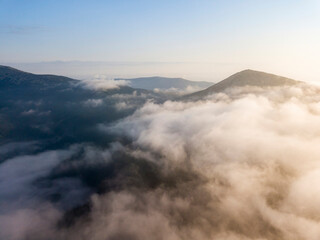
x,y
93,102
17,174
258,153
179,92
29,112
239,165
100,82
120,106
24,213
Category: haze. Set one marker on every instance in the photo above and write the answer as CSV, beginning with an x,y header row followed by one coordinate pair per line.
x,y
159,120
198,40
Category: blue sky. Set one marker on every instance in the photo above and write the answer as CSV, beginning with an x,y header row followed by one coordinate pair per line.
x,y
280,36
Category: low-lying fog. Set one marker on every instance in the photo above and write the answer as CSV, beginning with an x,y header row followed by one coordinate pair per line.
x,y
243,164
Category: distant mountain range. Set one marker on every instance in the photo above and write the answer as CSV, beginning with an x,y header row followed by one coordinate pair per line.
x,y
45,106
39,113
34,107
11,77
244,78
163,83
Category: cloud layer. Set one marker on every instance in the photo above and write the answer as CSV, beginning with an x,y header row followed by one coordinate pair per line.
x,y
240,165
257,154
100,82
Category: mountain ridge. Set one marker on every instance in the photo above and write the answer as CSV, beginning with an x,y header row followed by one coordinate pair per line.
x,y
8,73
243,78
164,83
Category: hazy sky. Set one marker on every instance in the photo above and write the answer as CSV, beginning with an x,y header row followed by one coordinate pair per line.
x,y
197,39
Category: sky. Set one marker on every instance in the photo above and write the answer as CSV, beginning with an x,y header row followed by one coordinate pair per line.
x,y
200,40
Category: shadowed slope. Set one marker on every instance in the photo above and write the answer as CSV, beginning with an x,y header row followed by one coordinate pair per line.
x,y
11,77
151,83
245,78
